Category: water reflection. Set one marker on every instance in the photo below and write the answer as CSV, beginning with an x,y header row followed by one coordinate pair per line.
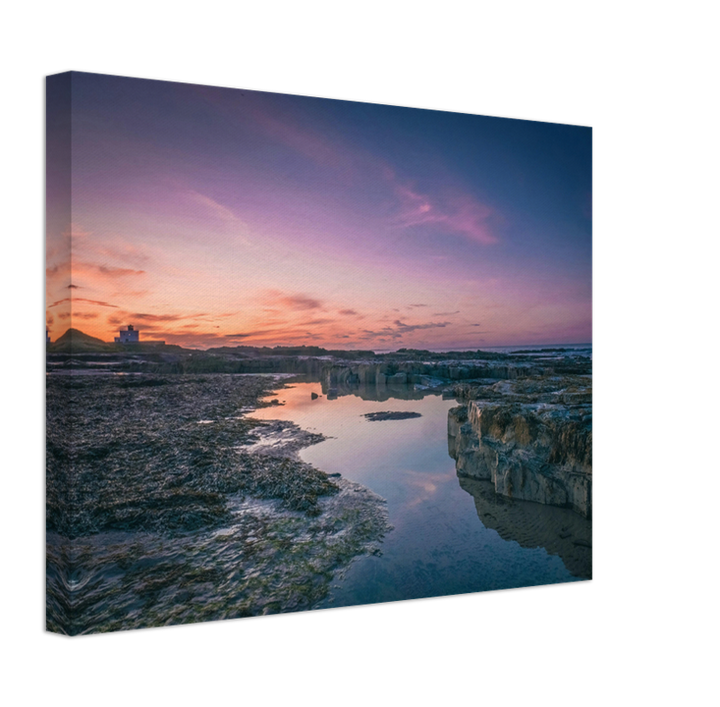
x,y
437,547
559,530
378,391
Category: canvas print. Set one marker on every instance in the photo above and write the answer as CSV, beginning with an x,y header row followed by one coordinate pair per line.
x,y
306,353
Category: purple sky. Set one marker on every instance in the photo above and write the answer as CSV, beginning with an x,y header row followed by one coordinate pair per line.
x,y
208,217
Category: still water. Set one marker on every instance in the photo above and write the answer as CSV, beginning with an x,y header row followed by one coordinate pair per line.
x,y
438,544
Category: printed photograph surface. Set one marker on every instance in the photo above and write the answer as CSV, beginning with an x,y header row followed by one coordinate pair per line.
x,y
306,353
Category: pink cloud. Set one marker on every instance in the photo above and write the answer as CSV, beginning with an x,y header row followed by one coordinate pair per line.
x,y
415,208
459,213
471,218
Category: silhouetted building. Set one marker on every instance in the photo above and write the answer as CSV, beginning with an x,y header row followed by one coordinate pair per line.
x,y
128,336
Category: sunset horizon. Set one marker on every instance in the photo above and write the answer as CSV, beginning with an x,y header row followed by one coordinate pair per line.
x,y
210,217
448,349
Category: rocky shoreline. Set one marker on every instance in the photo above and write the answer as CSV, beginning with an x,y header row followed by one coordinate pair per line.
x,y
169,504
524,423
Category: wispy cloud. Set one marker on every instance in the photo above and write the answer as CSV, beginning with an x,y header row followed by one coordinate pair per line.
x,y
296,301
118,272
144,318
119,250
59,302
400,329
99,303
261,114
456,212
82,299
303,139
109,264
208,207
211,206
202,339
316,322
403,328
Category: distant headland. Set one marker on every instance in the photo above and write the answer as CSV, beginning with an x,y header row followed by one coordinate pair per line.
x,y
76,341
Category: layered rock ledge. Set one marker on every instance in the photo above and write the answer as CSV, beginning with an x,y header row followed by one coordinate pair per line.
x,y
424,373
531,438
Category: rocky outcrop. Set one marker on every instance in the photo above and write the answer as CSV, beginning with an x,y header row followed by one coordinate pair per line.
x,y
532,442
390,415
380,374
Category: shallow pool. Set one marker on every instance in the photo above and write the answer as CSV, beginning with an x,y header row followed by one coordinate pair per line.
x,y
439,545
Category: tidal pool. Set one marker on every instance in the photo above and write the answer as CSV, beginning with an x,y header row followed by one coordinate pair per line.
x,y
438,545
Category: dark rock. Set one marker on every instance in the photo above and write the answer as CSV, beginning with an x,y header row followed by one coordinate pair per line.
x,y
378,416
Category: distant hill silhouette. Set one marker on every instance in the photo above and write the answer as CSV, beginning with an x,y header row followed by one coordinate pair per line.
x,y
75,341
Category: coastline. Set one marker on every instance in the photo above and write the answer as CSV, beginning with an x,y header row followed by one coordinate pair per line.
x,y
173,504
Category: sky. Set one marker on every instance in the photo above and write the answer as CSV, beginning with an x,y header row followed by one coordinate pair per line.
x,y
221,217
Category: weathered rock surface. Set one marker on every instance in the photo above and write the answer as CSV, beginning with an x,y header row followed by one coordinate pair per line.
x,y
531,438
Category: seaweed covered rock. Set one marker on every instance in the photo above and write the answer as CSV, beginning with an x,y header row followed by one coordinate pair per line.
x,y
164,453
